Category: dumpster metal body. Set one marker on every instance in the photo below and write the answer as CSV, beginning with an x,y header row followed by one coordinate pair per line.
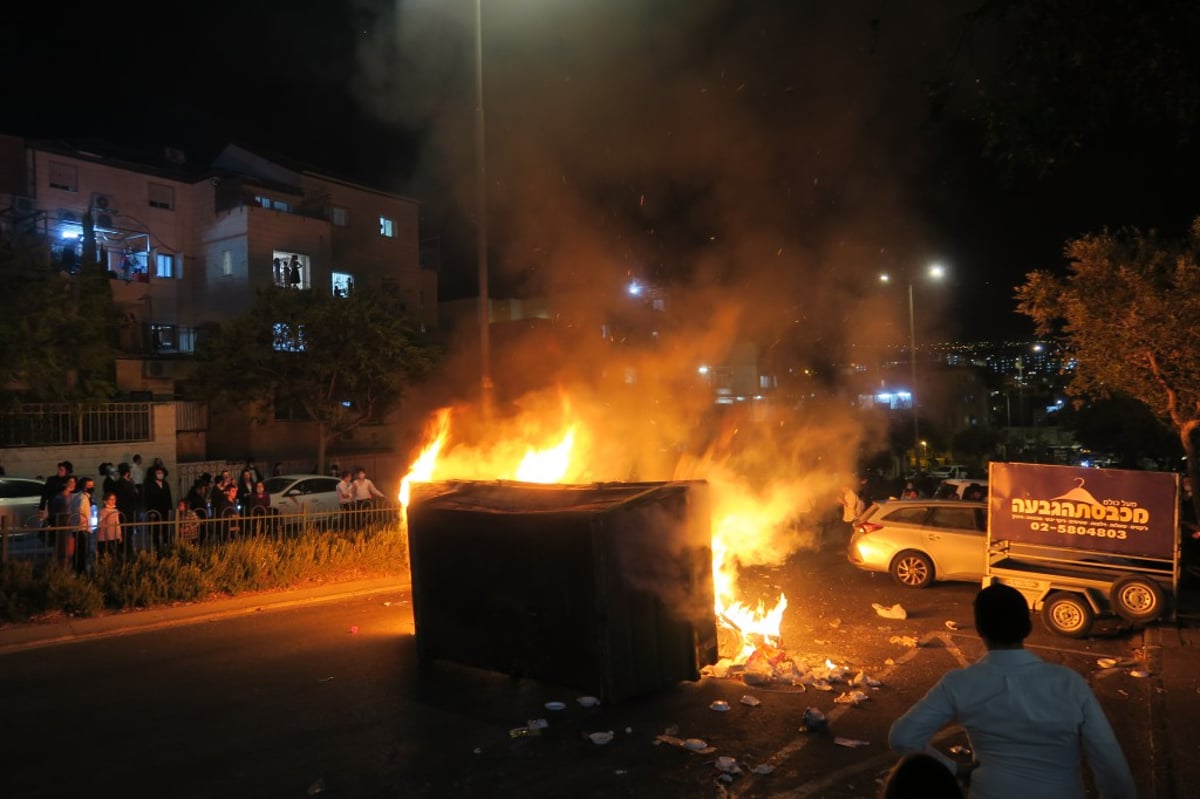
x,y
606,587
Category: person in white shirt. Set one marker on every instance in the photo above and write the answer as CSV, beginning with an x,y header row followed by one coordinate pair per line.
x,y
1028,720
364,490
345,496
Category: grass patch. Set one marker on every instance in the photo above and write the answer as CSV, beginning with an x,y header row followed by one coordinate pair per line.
x,y
189,573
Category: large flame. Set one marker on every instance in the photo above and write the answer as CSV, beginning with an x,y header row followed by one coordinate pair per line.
x,y
741,522
547,465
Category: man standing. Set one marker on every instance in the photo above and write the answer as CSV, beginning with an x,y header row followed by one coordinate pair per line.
x,y
1027,720
129,504
345,496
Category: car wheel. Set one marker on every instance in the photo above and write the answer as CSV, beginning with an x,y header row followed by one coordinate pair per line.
x,y
1136,598
1068,614
912,569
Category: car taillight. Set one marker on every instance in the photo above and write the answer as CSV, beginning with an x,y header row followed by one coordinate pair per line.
x,y
869,527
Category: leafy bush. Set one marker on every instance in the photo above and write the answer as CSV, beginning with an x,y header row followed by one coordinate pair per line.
x,y
184,573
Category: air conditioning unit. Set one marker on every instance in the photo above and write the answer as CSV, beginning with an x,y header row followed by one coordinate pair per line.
x,y
23,206
104,203
104,220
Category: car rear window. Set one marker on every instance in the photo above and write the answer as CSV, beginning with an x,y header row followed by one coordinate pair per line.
x,y
13,489
909,515
954,518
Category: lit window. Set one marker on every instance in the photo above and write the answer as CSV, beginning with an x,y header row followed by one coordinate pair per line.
x,y
64,176
290,270
163,337
162,196
342,284
286,338
387,228
226,262
164,265
339,216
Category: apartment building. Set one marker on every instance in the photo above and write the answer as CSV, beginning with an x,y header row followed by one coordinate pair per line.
x,y
186,245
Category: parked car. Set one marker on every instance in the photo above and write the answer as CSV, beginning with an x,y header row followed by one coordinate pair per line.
x,y
962,489
951,470
919,541
312,494
19,498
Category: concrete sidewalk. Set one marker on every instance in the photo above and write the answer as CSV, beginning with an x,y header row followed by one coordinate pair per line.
x,y
1173,656
66,629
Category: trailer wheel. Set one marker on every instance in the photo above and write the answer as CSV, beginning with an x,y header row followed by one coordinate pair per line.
x,y
1136,598
1068,614
912,569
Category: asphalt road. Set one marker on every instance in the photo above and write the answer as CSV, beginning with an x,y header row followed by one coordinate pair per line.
x,y
327,698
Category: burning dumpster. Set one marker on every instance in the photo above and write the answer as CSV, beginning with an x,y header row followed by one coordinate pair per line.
x,y
607,588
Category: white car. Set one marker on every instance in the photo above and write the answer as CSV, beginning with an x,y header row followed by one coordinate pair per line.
x,y
311,494
919,541
19,498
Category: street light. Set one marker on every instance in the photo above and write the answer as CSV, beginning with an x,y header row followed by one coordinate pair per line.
x,y
485,357
933,272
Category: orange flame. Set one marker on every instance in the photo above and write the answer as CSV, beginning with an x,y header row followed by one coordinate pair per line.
x,y
548,465
422,469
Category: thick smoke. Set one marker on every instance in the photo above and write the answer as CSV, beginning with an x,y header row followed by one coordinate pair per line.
x,y
754,162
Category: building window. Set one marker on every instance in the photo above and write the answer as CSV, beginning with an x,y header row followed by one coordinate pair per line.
x,y
164,265
162,196
163,337
290,270
286,338
342,284
274,205
339,216
227,263
64,176
387,228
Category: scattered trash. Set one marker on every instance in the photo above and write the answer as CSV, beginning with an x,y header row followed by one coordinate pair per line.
x,y
729,765
537,724
387,604
325,679
894,612
1122,692
889,662
477,750
629,730
601,737
1138,673
316,788
752,701
964,751
952,625
555,706
850,743
719,705
354,630
588,701
762,768
1106,663
909,641
814,721
835,623
523,732
620,772
852,698
695,744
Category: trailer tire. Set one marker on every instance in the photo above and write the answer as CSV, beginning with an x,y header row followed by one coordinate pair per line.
x,y
1068,614
1136,598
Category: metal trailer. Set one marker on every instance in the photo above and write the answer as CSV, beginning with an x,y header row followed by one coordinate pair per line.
x,y
1083,543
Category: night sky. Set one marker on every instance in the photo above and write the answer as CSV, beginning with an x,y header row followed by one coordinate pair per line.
x,y
772,153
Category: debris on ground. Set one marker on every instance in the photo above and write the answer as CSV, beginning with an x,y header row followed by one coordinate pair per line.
x,y
850,743
952,625
814,720
852,698
909,641
894,612
751,701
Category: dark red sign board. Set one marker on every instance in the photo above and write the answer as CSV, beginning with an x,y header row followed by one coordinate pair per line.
x,y
1114,511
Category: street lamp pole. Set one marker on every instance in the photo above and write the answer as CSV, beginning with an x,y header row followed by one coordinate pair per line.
x,y
485,356
912,359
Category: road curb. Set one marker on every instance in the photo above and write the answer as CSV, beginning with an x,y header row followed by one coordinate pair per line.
x,y
20,638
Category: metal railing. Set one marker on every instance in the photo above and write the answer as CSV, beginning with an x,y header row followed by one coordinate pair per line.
x,y
57,424
75,544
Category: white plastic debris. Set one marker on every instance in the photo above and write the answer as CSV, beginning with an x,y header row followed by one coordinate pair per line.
x,y
894,612
1106,663
852,698
904,640
555,706
763,768
851,743
720,705
588,701
729,765
537,724
601,737
1138,673
951,625
695,744
751,701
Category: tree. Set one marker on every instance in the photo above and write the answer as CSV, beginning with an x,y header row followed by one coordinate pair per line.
x,y
57,326
1128,310
343,361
